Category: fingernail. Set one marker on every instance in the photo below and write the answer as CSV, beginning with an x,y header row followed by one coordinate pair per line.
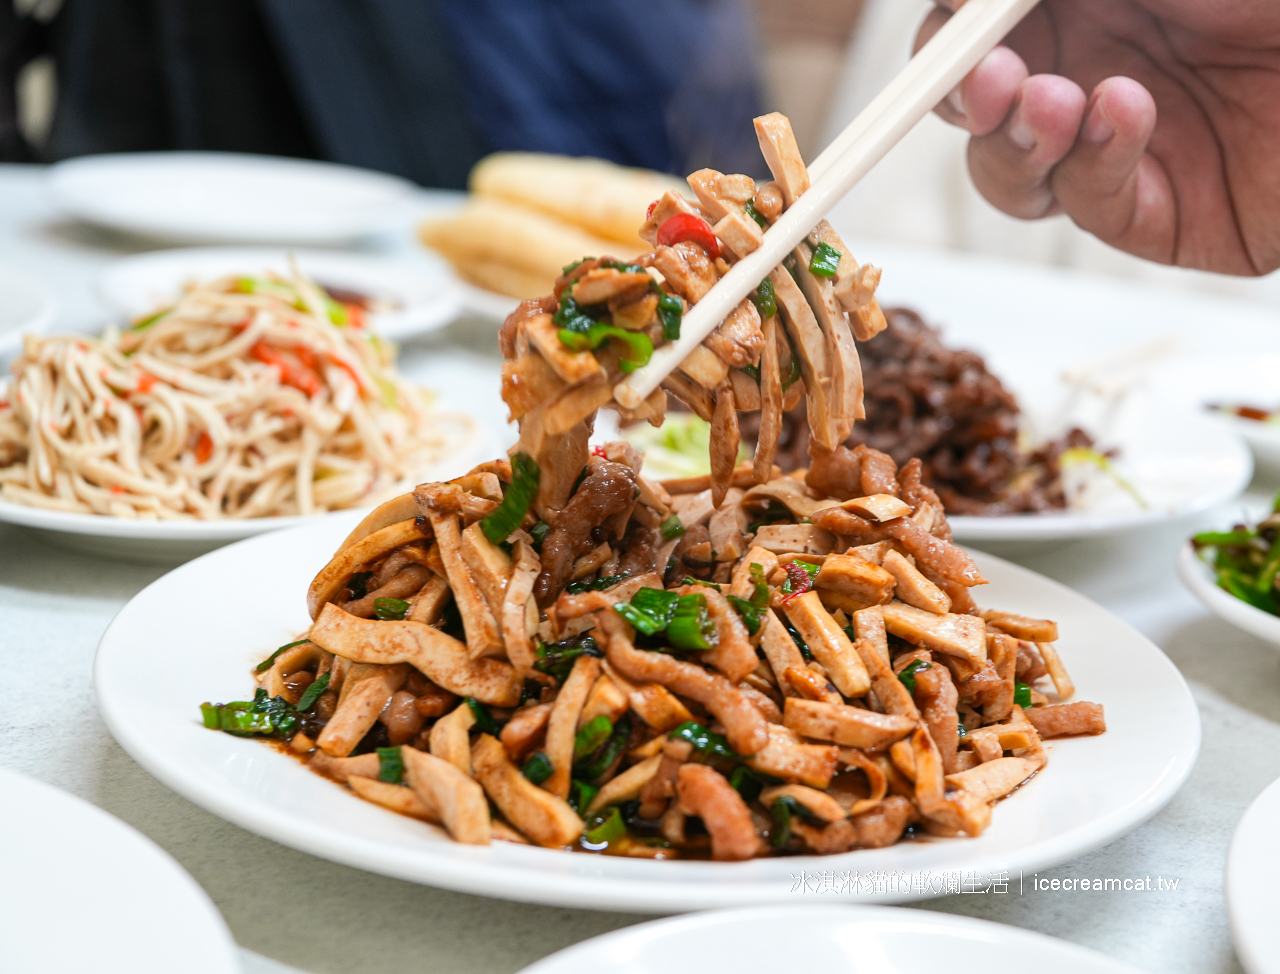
x,y
1020,133
956,101
1096,127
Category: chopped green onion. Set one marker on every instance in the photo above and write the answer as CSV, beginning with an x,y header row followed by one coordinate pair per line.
x,y
144,323
754,213
690,580
390,765
1079,454
670,313
539,534
1021,694
591,735
780,812
581,795
509,514
571,315
825,260
570,268
796,638
313,692
908,674
618,265
596,585
485,723
751,370
1223,538
538,768
266,663
704,741
650,610
390,609
746,783
764,298
672,527
760,597
750,614
639,345
608,827
691,627
557,659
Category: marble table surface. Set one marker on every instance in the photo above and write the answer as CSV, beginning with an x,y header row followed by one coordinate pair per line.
x,y
55,603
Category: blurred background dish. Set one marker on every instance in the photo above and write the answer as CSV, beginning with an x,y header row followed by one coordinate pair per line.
x,y
824,937
225,197
1252,898
133,907
25,306
401,296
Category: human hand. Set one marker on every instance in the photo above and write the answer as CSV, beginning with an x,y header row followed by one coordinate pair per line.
x,y
1153,124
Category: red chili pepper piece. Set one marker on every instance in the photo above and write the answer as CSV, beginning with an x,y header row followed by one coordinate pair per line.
x,y
146,382
300,376
801,580
649,212
204,447
686,226
598,451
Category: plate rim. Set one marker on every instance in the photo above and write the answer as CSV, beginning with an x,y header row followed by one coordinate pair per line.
x,y
560,962
1194,574
75,203
526,884
1242,857
424,317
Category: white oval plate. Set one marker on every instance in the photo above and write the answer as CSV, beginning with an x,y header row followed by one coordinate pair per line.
x,y
82,891
1199,578
227,197
421,292
25,306
1252,898
171,541
1093,791
824,938
1180,460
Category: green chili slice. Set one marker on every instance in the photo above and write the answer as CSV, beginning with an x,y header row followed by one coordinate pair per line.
x,y
1021,694
608,827
390,609
755,214
750,614
591,735
908,674
538,768
509,514
691,627
670,313
639,345
704,741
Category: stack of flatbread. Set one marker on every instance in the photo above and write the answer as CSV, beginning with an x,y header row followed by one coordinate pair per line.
x,y
529,214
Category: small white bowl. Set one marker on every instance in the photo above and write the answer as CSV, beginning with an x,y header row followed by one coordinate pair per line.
x,y
1198,576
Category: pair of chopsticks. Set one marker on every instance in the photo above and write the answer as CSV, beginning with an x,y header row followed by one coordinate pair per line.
x,y
928,77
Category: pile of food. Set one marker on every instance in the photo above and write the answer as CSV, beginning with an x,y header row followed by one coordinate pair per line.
x,y
1246,560
250,397
530,213
554,649
925,399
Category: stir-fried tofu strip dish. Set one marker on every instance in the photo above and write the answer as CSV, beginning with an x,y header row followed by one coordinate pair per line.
x,y
554,649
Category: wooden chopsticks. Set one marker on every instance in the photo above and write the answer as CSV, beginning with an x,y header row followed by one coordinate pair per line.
x,y
937,68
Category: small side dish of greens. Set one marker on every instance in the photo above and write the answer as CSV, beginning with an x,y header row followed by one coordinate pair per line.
x,y
1246,560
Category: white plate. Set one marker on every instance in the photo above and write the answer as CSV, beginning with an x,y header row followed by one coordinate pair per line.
x,y
1180,461
25,306
1092,792
420,294
82,891
1231,380
1199,577
824,938
1252,898
226,197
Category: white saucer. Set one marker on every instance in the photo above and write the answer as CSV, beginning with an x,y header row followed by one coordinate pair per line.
x,y
25,306
419,292
82,891
227,197
823,938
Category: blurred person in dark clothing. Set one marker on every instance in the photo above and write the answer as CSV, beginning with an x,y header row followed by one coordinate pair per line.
x,y
420,88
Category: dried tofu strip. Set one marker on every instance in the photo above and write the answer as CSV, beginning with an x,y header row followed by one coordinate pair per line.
x,y
450,737
365,692
520,612
846,368
811,348
459,800
483,637
545,818
563,725
770,402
